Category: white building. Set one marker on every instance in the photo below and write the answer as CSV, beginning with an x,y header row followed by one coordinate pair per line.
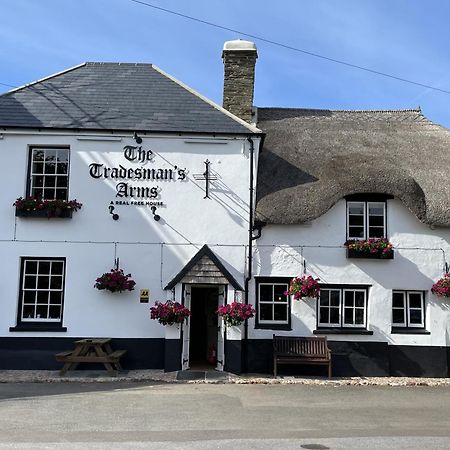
x,y
128,140
328,176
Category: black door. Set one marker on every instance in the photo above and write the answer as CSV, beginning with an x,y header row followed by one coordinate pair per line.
x,y
203,326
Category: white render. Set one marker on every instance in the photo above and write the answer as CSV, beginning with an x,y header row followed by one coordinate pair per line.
x,y
153,252
420,254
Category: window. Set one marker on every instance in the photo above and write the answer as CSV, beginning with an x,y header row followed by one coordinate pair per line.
x,y
41,290
273,306
366,220
49,173
342,307
408,309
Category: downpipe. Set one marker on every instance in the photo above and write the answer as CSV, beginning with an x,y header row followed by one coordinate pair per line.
x,y
250,254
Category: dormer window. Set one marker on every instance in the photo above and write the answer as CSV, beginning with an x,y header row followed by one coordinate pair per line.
x,y
366,218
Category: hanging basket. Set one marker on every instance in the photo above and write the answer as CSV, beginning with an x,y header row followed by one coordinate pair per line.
x,y
169,313
442,287
115,281
304,287
235,314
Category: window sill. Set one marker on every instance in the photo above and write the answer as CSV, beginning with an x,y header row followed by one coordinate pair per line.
x,y
57,328
42,213
274,326
342,331
402,330
355,254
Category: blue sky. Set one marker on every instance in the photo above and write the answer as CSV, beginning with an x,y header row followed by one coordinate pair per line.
x,y
407,38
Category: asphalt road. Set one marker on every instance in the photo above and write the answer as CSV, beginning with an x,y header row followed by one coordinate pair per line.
x,y
186,416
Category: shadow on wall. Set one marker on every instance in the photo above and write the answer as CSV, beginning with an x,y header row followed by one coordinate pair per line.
x,y
141,218
236,207
323,259
265,259
444,305
394,274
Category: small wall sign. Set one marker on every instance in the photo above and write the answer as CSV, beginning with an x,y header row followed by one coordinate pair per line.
x,y
144,295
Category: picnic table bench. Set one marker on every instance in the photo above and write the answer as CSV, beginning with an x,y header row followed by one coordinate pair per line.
x,y
91,351
301,350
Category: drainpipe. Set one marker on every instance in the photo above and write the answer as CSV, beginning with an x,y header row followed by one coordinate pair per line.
x,y
250,253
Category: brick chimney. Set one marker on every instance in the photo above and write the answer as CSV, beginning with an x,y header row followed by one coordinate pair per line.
x,y
239,59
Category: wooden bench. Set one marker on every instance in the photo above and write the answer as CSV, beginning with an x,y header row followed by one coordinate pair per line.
x,y
91,351
301,350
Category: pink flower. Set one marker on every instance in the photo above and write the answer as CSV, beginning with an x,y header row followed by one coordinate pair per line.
x,y
372,245
303,287
235,313
442,287
169,313
115,281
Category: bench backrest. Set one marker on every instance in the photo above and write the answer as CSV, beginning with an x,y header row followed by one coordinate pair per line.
x,y
301,346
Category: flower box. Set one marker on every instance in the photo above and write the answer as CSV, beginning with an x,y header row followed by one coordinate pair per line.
x,y
36,207
351,253
60,214
373,248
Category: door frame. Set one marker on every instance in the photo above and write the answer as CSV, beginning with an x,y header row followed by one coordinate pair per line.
x,y
186,291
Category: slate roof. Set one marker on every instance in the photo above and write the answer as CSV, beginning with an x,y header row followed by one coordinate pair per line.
x,y
313,158
115,96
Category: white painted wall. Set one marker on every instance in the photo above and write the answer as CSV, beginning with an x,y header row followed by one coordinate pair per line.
x,y
153,252
281,251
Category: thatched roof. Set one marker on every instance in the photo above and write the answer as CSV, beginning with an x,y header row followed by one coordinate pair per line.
x,y
313,158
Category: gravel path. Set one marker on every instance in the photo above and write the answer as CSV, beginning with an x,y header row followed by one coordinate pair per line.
x,y
85,376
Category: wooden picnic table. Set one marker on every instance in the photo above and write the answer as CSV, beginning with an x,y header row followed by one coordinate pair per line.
x,y
91,351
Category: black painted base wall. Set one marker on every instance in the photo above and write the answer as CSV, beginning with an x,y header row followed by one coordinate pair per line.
x,y
233,356
419,361
39,353
172,354
360,359
349,358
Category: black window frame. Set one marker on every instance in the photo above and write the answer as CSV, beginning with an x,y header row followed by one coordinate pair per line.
x,y
30,162
406,327
366,199
41,325
272,326
342,328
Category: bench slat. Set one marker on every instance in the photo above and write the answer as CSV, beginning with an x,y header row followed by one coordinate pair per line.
x,y
117,353
111,358
63,354
92,359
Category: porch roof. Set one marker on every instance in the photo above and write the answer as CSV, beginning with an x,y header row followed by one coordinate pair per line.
x,y
219,272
